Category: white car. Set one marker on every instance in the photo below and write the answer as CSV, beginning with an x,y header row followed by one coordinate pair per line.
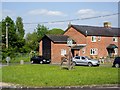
x,y
84,60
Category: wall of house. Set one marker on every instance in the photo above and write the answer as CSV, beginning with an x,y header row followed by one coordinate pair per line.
x,y
99,45
40,48
56,52
119,46
75,35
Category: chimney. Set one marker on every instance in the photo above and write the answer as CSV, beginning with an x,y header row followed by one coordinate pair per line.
x,y
107,24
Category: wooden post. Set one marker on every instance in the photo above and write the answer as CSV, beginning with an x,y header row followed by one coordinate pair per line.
x,y
7,35
69,60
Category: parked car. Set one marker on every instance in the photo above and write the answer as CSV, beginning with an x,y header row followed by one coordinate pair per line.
x,y
84,60
39,60
116,62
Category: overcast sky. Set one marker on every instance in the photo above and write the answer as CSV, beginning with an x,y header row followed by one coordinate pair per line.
x,y
36,12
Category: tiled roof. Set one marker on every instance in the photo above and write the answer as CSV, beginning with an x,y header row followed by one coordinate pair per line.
x,y
58,38
97,31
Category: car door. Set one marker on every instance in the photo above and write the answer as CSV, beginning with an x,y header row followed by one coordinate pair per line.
x,y
77,59
83,60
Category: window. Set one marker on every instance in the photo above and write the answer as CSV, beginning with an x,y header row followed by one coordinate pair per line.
x,y
93,38
77,57
93,51
99,38
63,52
115,39
83,58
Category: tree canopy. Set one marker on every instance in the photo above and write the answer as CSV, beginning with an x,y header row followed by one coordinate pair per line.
x,y
55,31
17,42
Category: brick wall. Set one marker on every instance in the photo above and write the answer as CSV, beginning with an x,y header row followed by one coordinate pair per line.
x,y
40,48
56,52
75,35
100,45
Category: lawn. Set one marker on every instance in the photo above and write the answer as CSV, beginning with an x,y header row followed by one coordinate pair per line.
x,y
51,75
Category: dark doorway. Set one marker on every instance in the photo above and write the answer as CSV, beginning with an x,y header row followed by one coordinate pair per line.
x,y
111,50
46,48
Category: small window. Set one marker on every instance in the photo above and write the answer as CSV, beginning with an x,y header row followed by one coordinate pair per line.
x,y
99,38
93,38
63,52
94,51
115,39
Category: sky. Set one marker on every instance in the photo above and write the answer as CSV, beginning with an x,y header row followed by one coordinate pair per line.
x,y
34,13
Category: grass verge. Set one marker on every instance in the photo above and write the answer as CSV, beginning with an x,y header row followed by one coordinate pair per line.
x,y
38,75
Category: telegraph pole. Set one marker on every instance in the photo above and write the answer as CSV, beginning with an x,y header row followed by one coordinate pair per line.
x,y
6,35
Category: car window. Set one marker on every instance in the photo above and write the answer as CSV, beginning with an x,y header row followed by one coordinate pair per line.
x,y
83,58
77,57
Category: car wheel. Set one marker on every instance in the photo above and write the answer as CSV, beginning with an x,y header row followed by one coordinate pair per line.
x,y
90,64
117,65
41,62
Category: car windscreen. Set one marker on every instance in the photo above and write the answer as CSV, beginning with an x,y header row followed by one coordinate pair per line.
x,y
77,57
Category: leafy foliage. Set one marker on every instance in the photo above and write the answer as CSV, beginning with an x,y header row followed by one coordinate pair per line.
x,y
15,41
55,31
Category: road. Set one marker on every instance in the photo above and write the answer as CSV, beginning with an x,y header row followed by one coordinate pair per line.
x,y
79,88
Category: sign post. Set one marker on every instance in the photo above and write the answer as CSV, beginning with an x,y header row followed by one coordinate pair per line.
x,y
69,44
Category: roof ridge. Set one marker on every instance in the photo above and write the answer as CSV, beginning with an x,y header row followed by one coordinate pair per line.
x,y
95,26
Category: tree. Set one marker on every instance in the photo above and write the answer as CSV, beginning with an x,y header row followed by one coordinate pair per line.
x,y
11,32
32,39
19,27
55,31
11,37
41,31
15,40
20,34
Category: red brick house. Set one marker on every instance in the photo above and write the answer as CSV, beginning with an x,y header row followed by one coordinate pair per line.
x,y
92,41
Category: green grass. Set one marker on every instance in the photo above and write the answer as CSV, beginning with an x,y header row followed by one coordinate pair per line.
x,y
0,74
52,75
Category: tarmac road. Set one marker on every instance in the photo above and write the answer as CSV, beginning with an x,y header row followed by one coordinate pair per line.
x,y
101,88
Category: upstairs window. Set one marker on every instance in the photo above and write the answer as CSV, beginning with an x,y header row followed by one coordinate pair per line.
x,y
115,39
93,51
93,38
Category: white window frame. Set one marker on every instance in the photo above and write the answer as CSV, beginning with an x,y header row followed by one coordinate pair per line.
x,y
115,39
94,51
99,38
93,38
63,52
116,51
